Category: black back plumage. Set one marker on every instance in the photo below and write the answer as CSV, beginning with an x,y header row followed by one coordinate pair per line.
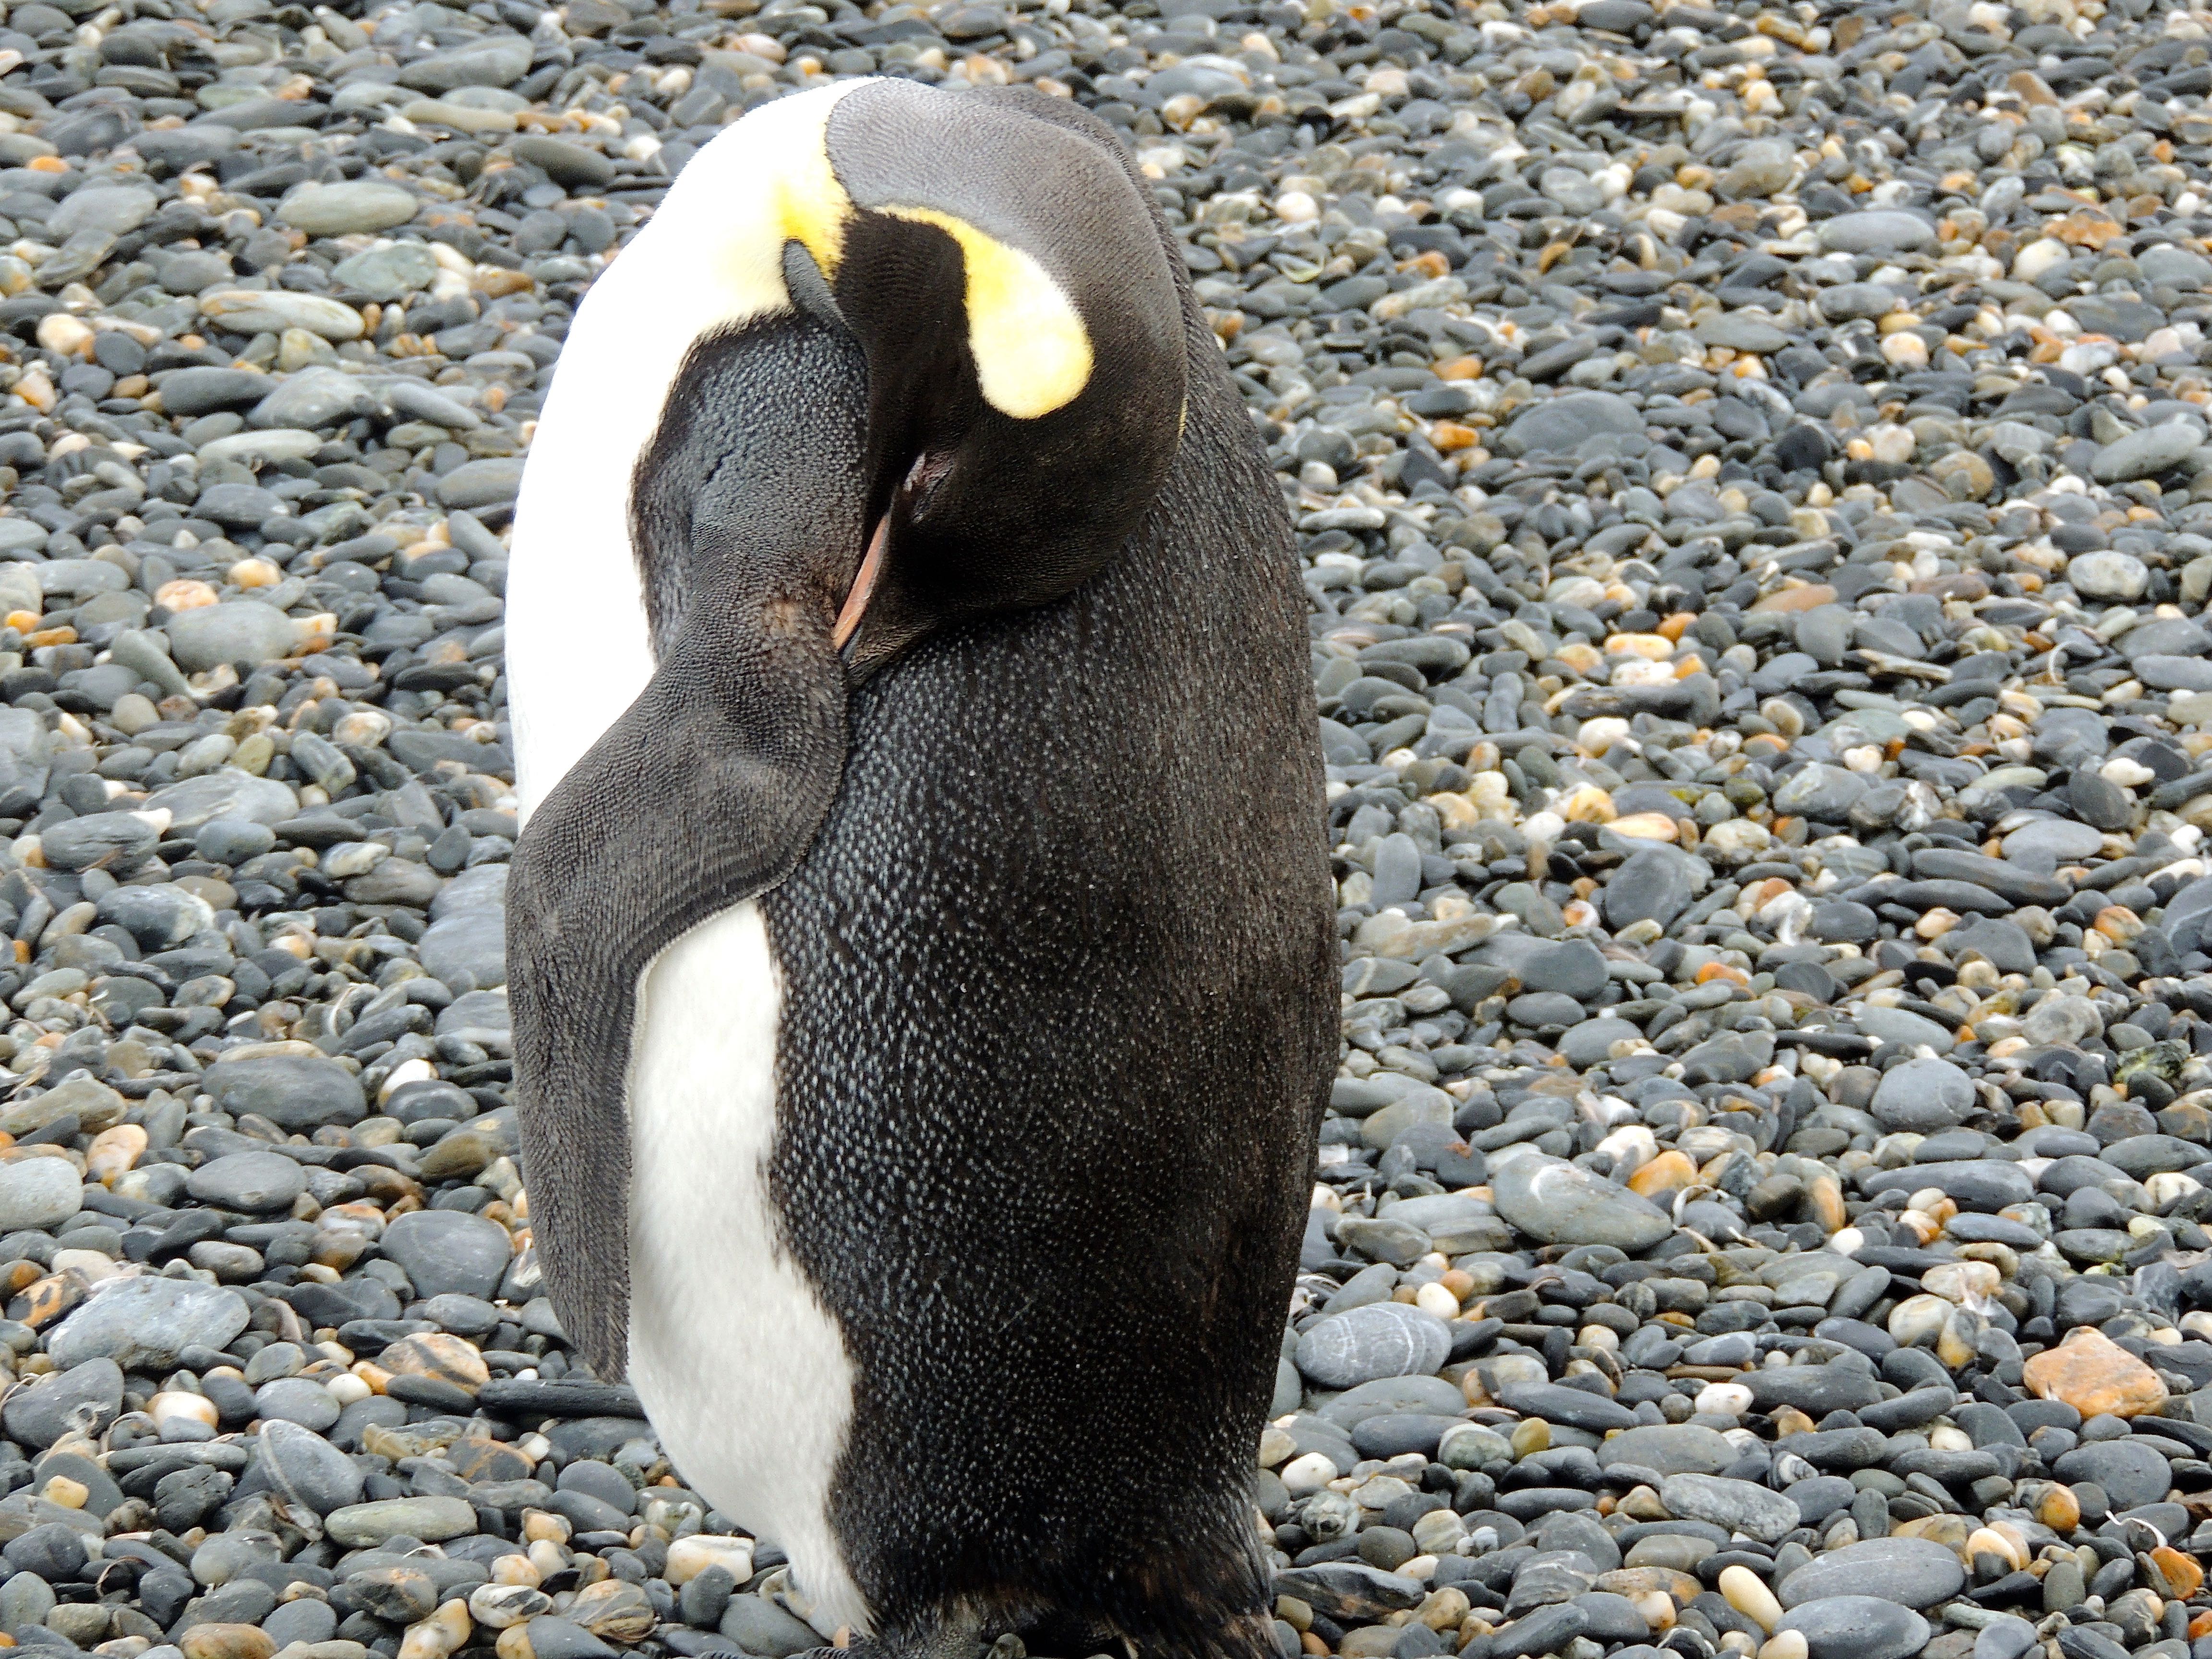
x,y
1057,1034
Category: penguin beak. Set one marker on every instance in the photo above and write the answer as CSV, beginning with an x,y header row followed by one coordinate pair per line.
x,y
921,476
854,610
864,585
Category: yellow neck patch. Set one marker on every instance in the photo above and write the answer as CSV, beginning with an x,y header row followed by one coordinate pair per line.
x,y
768,182
1032,353
811,205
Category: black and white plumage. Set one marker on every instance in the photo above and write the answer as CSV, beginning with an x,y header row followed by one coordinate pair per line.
x,y
920,938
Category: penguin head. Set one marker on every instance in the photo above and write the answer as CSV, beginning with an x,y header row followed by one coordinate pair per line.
x,y
1022,329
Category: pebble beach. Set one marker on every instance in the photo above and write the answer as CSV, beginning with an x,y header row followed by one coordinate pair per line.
x,y
1751,471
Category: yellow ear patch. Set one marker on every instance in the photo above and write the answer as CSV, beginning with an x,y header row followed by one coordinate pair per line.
x,y
1032,353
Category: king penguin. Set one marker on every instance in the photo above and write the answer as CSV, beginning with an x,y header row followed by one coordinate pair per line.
x,y
921,942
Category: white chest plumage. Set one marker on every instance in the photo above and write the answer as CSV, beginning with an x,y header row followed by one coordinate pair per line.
x,y
741,1368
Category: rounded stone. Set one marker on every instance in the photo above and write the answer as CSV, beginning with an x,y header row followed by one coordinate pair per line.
x,y
348,209
144,1324
37,1193
226,793
449,1251
1557,1203
1734,1505
481,484
83,1399
1670,1448
2143,455
248,1180
298,1400
1877,230
2131,1472
298,1093
1384,1339
1557,425
1924,1096
387,273
2108,578
306,1468
159,916
565,163
1857,1627
1910,1572
114,209
250,311
243,631
432,1520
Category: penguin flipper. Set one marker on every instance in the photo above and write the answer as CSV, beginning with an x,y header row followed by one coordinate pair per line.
x,y
705,793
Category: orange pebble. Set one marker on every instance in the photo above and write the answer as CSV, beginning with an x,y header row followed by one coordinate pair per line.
x,y
2181,1572
1669,1172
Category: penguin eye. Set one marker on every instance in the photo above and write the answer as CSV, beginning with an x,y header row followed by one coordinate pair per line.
x,y
920,483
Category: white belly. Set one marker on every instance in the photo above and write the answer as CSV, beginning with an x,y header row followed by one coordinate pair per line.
x,y
740,1367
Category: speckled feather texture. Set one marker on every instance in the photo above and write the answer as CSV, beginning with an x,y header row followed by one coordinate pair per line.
x,y
1054,1049
1059,1020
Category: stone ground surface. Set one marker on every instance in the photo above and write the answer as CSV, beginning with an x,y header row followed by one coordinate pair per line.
x,y
1752,470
